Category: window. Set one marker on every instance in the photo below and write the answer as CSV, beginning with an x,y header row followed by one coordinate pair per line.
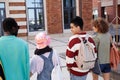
x,y
2,16
35,15
95,14
69,12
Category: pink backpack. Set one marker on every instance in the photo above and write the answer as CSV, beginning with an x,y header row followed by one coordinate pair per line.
x,y
86,56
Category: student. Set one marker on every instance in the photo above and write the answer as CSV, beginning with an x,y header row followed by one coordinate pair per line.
x,y
102,41
73,47
14,53
44,57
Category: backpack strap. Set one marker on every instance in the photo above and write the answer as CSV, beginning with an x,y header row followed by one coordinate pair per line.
x,y
2,74
86,36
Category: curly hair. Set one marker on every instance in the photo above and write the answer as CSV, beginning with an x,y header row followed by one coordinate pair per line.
x,y
101,24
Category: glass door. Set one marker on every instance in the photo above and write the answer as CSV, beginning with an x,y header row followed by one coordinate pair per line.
x,y
35,15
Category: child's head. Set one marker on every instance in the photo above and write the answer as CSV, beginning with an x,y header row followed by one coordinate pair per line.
x,y
42,40
10,26
76,25
100,25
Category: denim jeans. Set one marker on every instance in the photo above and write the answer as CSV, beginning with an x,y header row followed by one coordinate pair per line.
x,y
73,77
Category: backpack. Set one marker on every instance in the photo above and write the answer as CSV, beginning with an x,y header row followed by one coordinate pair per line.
x,y
86,55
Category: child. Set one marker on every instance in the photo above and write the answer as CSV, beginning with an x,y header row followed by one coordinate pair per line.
x,y
44,57
73,48
102,41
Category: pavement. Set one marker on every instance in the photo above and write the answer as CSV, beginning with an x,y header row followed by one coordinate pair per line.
x,y
59,43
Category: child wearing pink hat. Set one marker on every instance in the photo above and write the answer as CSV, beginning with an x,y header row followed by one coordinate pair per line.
x,y
44,57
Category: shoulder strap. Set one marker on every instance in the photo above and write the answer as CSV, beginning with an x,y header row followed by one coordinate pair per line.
x,y
50,55
43,57
86,36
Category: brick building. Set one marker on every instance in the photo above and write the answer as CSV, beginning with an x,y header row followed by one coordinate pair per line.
x,y
107,9
52,16
95,8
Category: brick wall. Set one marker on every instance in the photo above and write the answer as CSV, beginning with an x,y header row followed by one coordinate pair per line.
x,y
17,10
54,16
87,14
111,10
110,7
110,13
95,3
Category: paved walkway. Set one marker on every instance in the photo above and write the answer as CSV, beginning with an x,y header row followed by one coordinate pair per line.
x,y
58,42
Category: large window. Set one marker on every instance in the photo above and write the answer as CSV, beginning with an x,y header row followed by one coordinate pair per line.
x,y
69,12
2,16
35,15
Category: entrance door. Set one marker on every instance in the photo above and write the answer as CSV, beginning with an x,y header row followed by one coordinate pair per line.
x,y
2,16
35,15
69,12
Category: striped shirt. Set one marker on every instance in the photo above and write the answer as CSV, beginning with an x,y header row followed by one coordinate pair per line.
x,y
72,52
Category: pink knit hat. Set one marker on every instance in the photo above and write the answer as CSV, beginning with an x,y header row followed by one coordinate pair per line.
x,y
42,40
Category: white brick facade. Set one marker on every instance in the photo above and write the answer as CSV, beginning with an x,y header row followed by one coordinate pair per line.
x,y
17,9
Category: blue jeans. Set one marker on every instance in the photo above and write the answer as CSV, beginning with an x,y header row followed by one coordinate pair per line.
x,y
73,77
